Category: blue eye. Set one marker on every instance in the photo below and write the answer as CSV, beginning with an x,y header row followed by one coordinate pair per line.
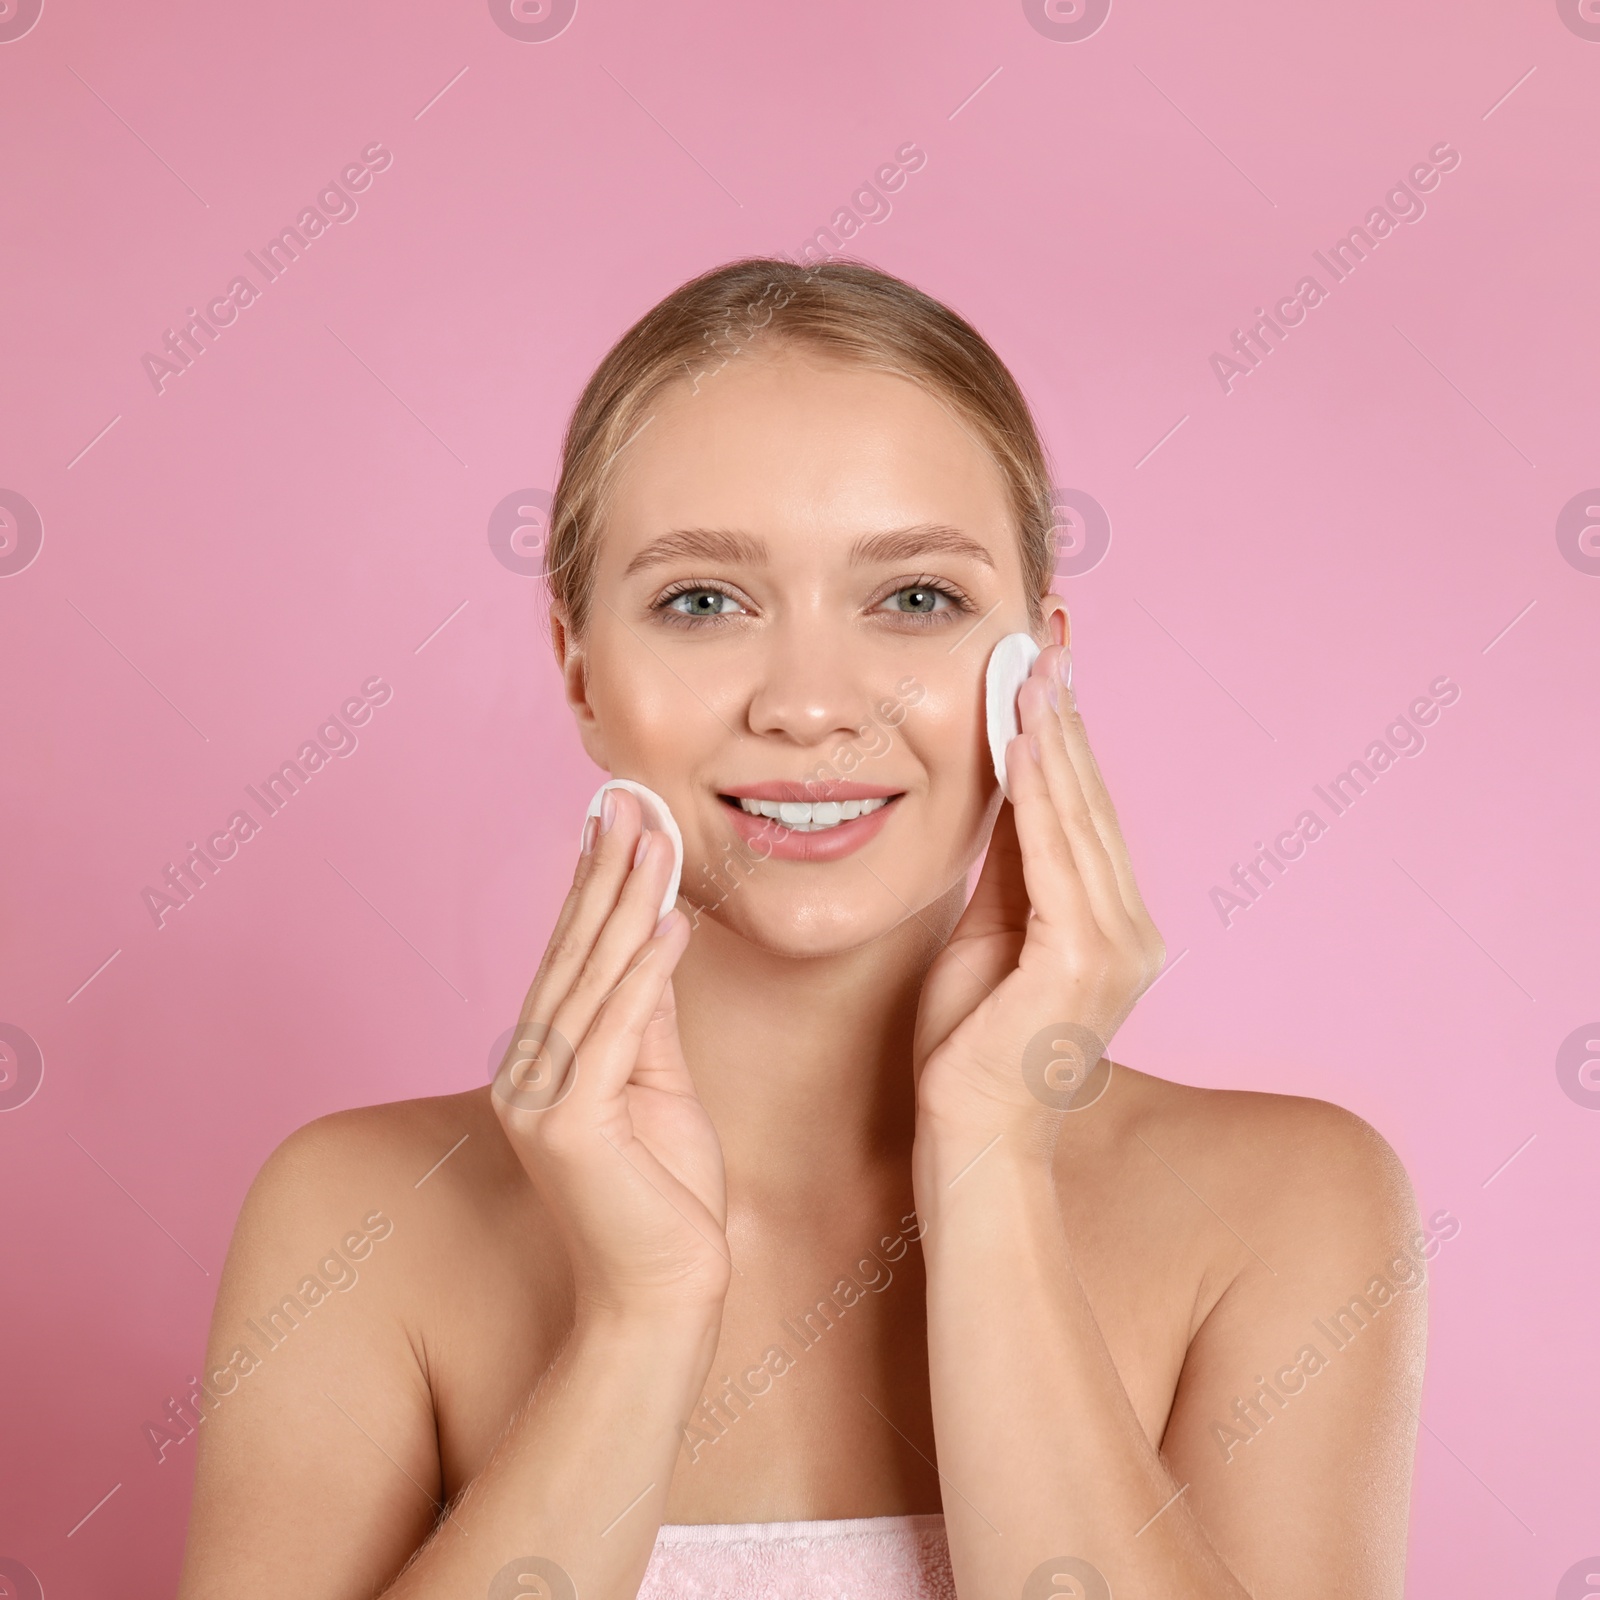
x,y
921,599
702,602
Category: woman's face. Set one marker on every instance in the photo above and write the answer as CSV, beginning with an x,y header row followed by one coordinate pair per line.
x,y
804,568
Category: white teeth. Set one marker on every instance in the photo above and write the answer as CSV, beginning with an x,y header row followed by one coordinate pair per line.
x,y
808,817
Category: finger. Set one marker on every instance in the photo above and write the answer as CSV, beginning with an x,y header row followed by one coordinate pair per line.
x,y
621,941
539,1057
1055,889
548,1059
660,1064
999,902
1104,813
598,884
609,1050
1047,723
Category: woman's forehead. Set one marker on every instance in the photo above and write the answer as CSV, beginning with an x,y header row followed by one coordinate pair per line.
x,y
800,448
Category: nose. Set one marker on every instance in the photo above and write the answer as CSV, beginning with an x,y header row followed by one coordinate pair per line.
x,y
810,685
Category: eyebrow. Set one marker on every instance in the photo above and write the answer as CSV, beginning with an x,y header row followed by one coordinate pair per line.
x,y
895,544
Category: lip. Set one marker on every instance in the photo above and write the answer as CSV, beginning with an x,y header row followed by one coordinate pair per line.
x,y
818,790
768,839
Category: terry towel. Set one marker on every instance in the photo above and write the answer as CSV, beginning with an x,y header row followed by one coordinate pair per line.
x,y
857,1558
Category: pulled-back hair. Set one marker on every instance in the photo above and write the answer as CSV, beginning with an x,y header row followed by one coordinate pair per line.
x,y
846,309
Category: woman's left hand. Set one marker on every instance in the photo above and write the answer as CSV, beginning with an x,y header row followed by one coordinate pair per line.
x,y
1054,947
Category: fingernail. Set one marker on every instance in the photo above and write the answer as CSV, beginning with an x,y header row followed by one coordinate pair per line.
x,y
608,811
1033,746
1052,693
643,845
663,925
591,827
1064,667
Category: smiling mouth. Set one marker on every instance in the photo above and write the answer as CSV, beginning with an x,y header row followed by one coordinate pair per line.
x,y
778,802
809,816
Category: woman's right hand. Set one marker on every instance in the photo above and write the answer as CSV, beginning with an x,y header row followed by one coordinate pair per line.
x,y
595,1097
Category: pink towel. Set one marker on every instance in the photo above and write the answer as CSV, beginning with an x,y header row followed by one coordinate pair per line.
x,y
858,1558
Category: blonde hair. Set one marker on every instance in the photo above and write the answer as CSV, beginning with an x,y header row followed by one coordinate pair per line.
x,y
844,308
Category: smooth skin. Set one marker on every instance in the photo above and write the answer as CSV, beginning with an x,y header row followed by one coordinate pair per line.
x,y
826,1064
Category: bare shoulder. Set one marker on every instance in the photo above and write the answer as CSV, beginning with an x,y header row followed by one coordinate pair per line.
x,y
1280,1161
419,1160
364,1234
370,1141
382,1195
1192,1190
1311,1306
404,1198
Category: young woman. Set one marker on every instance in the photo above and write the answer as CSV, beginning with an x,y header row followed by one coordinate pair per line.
x,y
806,1242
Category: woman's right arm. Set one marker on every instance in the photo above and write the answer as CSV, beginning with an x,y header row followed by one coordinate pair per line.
x,y
320,1467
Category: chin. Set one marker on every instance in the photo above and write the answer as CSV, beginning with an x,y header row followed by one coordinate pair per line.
x,y
807,927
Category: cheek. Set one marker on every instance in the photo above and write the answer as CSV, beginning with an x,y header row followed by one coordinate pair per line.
x,y
945,735
655,731
873,739
650,719
946,729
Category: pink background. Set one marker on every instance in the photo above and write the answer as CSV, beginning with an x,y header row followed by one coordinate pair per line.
x,y
308,506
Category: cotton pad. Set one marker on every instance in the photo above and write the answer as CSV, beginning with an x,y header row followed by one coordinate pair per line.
x,y
656,815
1008,670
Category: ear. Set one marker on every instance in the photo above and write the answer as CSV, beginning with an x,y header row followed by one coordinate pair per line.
x,y
572,662
1057,623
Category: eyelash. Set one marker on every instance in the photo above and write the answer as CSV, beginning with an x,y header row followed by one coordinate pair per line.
x,y
662,606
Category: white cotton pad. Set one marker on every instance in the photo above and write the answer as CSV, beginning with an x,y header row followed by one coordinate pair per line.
x,y
1008,670
656,815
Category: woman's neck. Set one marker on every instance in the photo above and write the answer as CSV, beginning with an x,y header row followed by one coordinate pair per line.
x,y
805,1066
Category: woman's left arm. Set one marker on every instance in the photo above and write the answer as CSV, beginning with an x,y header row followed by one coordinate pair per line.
x,y
1051,1487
